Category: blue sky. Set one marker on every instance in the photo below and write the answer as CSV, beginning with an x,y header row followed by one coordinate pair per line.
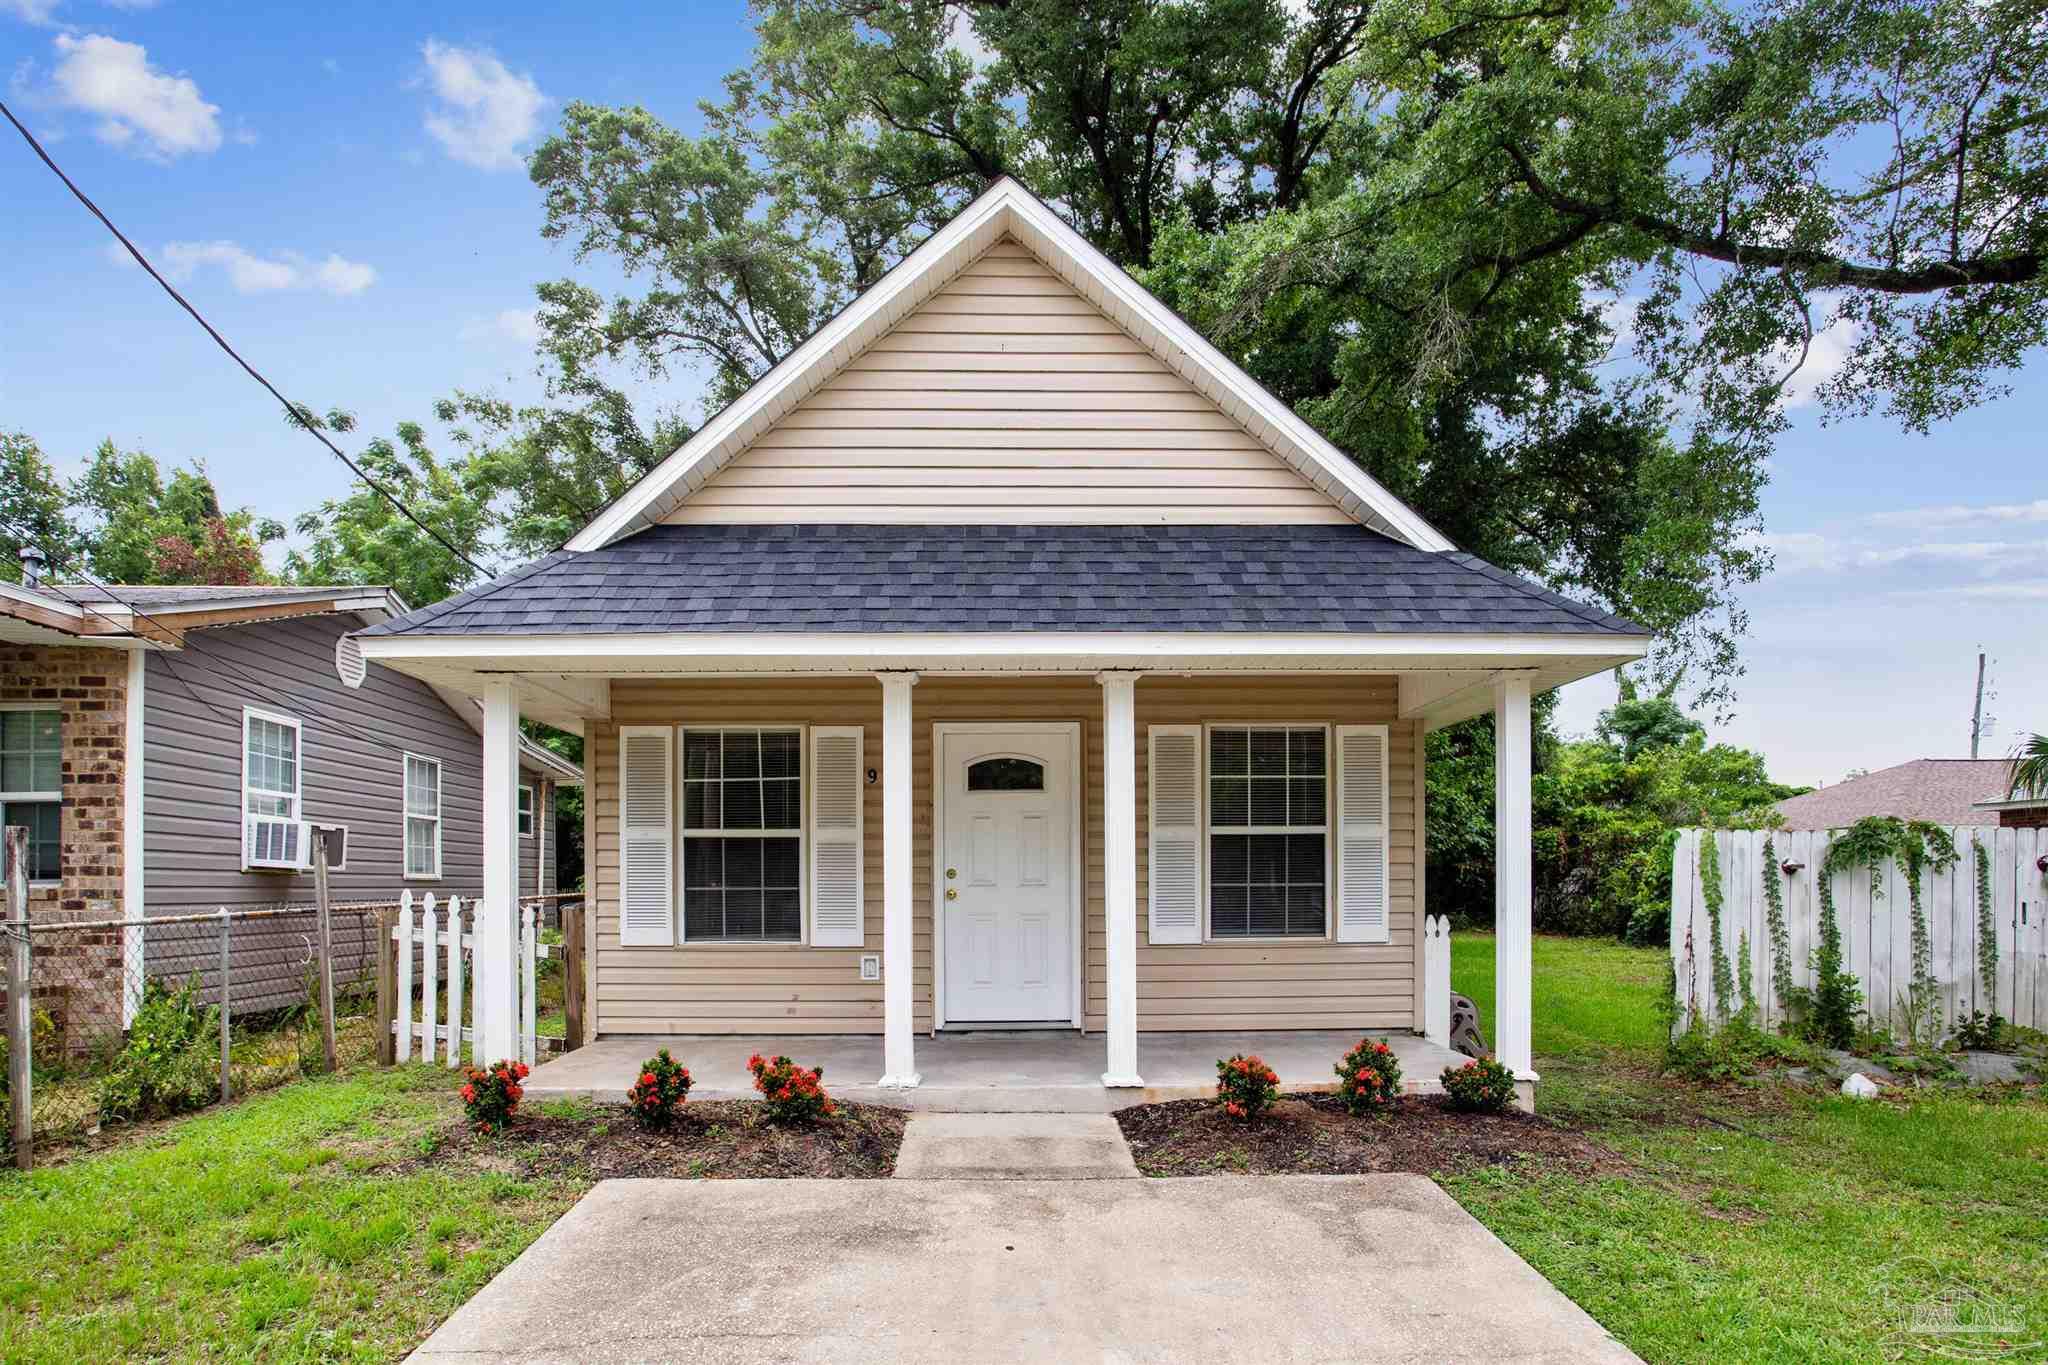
x,y
339,189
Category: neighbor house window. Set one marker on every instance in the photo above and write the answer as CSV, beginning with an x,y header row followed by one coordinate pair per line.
x,y
270,765
743,835
1268,831
31,785
525,811
422,817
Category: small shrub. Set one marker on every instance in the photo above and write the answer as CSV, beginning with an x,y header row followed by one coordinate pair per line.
x,y
1735,1052
1480,1086
659,1093
1981,1032
1245,1086
490,1095
1369,1077
171,1064
791,1093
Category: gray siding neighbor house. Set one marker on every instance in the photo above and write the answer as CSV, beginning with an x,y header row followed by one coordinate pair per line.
x,y
254,720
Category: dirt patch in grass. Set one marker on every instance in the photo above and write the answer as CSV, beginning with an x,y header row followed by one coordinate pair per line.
x,y
722,1140
1312,1135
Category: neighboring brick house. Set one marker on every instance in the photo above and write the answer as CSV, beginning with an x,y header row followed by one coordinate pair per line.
x,y
1941,791
254,717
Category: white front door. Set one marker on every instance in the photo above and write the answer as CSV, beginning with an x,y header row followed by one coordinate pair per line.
x,y
1006,874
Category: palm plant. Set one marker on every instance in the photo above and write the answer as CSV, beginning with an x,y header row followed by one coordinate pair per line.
x,y
2030,768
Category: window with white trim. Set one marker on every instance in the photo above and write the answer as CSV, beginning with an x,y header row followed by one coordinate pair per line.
x,y
525,810
422,817
1269,831
742,833
31,785
270,765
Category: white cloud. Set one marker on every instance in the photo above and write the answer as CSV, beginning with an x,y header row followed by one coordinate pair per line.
x,y
961,38
484,110
507,324
1825,358
132,5
30,11
138,105
249,273
1957,514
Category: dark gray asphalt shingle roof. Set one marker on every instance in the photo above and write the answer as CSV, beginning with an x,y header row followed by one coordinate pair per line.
x,y
1315,579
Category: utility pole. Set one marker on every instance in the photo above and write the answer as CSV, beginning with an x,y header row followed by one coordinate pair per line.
x,y
1977,715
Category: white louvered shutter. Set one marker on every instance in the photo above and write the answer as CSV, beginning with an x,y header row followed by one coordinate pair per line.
x,y
1362,834
836,837
1174,876
647,864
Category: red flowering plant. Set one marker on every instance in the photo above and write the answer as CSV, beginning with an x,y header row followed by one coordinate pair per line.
x,y
659,1093
1480,1086
1369,1077
490,1095
1245,1086
791,1092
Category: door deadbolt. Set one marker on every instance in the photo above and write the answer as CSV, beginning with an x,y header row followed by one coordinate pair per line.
x,y
952,873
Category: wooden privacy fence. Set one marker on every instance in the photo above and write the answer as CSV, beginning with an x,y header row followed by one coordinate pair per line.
x,y
426,996
1877,936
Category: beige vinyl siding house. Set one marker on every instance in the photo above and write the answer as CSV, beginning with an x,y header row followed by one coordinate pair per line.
x,y
1007,659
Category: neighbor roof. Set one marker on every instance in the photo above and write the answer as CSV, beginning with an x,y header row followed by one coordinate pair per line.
x,y
1943,791
58,613
1006,208
850,579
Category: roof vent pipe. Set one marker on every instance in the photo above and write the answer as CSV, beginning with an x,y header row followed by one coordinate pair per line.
x,y
32,566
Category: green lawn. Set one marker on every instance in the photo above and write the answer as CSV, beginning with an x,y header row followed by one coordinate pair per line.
x,y
262,1229
1758,1226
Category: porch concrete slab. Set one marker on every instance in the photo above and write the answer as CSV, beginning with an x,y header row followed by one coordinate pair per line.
x,y
1010,1072
1014,1147
1221,1268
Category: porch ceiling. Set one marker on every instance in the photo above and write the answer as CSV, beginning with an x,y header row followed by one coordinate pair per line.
x,y
564,680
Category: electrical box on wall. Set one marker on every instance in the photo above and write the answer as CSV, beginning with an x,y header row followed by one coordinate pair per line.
x,y
871,966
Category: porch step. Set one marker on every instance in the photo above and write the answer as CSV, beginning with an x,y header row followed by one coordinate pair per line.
x,y
1014,1147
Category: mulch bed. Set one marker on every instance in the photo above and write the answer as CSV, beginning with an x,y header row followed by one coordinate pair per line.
x,y
1311,1134
716,1140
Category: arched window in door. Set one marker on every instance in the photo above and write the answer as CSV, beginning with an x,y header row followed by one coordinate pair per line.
x,y
1006,774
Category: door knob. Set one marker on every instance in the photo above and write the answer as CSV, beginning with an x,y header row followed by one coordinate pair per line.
x,y
951,894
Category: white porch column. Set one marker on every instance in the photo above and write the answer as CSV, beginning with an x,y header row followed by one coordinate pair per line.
x,y
1120,872
497,910
899,1060
1513,887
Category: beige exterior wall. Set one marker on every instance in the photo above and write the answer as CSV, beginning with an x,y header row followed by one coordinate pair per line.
x,y
1007,397
791,989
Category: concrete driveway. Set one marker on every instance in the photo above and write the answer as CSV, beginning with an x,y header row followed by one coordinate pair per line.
x,y
1223,1268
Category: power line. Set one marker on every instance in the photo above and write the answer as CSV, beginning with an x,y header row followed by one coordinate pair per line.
x,y
291,409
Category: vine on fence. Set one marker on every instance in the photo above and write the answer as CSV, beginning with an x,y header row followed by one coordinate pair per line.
x,y
1774,923
1831,1013
1987,927
1710,887
1749,1011
1918,847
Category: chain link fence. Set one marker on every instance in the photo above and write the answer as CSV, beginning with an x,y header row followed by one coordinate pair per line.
x,y
135,1018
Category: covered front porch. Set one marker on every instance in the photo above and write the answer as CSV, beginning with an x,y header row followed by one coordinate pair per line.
x,y
1005,1072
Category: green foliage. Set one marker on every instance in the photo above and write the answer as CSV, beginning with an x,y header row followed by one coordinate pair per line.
x,y
1827,1014
491,1094
1710,888
658,1095
1733,1052
791,1093
1774,921
1987,926
1369,1077
1480,1086
1981,1032
1917,846
2029,776
172,1061
139,527
1245,1086
32,506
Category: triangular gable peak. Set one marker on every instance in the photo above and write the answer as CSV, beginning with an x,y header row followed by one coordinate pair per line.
x,y
1229,451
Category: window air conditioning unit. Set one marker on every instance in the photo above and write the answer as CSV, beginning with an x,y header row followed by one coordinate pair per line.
x,y
273,843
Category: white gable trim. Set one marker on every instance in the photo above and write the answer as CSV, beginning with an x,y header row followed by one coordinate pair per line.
x,y
1007,208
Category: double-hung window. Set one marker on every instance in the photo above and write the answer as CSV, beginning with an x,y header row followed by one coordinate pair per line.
x,y
525,810
422,817
1269,831
271,789
742,833
31,784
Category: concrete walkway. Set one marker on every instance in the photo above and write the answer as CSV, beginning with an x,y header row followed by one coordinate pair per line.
x,y
1014,1147
1022,1072
1224,1269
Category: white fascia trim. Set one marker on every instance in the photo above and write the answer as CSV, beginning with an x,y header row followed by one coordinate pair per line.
x,y
2017,803
797,370
1005,206
857,651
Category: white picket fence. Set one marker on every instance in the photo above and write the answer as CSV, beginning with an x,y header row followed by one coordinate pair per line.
x,y
1436,979
444,945
1877,942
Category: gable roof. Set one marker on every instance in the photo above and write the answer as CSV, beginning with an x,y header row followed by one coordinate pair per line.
x,y
1007,208
1944,791
911,578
